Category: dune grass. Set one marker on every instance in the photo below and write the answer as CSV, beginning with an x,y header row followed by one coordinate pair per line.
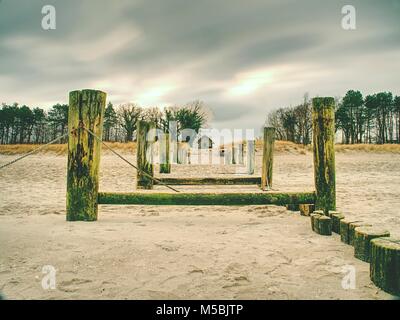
x,y
293,148
280,147
61,149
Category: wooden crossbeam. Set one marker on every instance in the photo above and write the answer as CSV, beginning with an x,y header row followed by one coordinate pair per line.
x,y
212,181
207,199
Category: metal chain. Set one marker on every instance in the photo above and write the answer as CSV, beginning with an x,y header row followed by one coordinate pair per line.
x,y
128,162
33,151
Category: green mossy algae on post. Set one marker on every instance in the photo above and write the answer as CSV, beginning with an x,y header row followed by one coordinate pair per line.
x,y
323,116
213,199
144,158
268,158
211,181
385,264
362,241
165,165
86,110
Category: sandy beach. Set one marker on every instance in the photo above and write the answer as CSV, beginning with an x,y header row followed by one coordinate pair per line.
x,y
160,252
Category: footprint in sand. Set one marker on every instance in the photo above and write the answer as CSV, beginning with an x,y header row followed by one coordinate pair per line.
x,y
235,275
70,285
168,248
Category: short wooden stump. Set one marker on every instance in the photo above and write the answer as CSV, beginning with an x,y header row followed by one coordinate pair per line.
x,y
352,227
385,264
306,209
325,226
314,221
344,229
362,241
336,217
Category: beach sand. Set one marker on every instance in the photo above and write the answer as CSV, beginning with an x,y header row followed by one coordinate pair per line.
x,y
160,252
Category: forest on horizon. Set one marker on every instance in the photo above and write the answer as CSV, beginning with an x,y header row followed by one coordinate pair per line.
x,y
373,119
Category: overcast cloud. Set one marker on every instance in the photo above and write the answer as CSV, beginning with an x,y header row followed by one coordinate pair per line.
x,y
242,58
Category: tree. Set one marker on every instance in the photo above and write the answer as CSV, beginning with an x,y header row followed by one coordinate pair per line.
x,y
110,121
128,116
192,116
40,120
396,109
353,102
385,103
25,120
58,119
303,116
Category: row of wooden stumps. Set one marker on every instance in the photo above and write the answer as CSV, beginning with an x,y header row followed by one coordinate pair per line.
x,y
371,244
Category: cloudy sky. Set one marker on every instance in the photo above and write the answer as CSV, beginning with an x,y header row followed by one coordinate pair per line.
x,y
242,58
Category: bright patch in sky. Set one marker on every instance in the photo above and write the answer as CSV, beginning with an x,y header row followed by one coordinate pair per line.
x,y
153,96
250,82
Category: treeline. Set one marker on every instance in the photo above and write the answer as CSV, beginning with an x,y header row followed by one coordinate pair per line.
x,y
371,119
293,123
25,125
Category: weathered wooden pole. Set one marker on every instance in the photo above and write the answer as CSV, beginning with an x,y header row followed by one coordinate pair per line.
x,y
228,156
323,116
241,153
86,110
144,161
268,158
251,155
182,153
384,264
362,241
233,153
165,165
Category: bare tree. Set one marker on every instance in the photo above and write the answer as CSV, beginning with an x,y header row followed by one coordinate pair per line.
x,y
128,116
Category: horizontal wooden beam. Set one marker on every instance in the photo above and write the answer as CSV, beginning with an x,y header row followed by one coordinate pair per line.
x,y
207,199
212,181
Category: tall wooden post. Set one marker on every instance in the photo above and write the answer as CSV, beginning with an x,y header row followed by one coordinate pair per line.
x,y
323,116
251,156
165,165
86,110
233,152
144,162
268,158
241,153
227,156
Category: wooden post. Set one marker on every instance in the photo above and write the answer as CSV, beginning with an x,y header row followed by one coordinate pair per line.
x,y
314,217
251,154
144,164
306,209
323,116
362,241
165,165
336,217
268,158
384,266
86,110
325,226
228,156
241,153
234,161
182,152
